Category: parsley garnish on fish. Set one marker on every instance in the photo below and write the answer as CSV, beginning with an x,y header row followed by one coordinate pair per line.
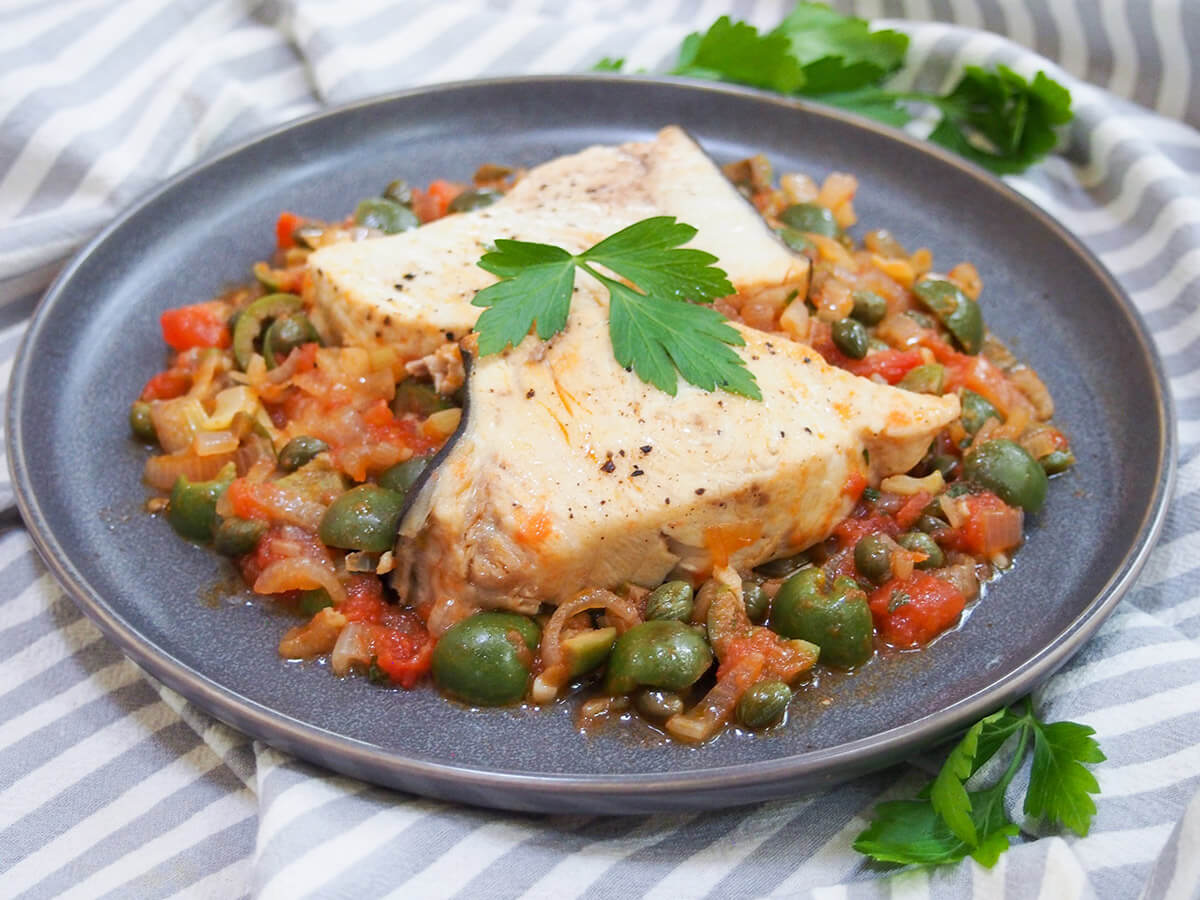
x,y
992,116
657,324
948,821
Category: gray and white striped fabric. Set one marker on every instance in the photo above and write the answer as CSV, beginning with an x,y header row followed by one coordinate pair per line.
x,y
111,785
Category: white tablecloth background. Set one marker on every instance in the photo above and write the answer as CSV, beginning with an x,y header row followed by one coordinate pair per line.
x,y
111,785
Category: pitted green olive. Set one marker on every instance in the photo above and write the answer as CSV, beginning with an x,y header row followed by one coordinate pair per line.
x,y
486,658
831,613
663,654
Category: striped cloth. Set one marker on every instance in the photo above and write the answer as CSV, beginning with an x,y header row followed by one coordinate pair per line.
x,y
111,785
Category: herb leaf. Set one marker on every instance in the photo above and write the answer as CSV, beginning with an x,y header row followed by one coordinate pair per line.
x,y
656,324
735,51
947,822
840,53
1059,785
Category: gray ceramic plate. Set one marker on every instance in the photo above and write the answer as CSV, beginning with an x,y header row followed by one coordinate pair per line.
x,y
94,341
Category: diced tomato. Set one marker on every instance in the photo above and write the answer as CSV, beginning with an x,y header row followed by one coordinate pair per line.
x,y
914,611
991,526
891,365
285,230
912,509
434,202
855,485
850,531
780,659
167,385
199,325
404,651
364,599
279,542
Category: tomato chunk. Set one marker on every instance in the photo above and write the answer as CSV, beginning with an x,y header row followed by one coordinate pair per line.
x,y
167,385
914,611
199,325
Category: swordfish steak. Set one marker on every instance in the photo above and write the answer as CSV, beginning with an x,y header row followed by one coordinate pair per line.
x,y
570,472
413,290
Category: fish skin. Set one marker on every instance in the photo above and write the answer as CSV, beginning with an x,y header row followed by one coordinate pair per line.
x,y
413,290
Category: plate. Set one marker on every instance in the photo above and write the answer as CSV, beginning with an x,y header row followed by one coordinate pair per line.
x,y
94,341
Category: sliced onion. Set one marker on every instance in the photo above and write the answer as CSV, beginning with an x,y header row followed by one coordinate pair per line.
x,y
907,485
953,508
353,648
177,421
298,573
212,443
161,472
706,717
1001,529
555,672
443,423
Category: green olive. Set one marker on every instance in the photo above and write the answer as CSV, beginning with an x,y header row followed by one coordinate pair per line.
x,y
1057,461
926,379
958,312
850,336
869,307
588,649
831,613
299,451
364,518
313,601
485,659
385,215
285,334
672,600
141,423
417,397
758,604
976,410
398,191
237,537
764,704
192,509
1007,469
873,558
794,239
811,218
923,543
474,198
403,475
663,654
254,318
657,705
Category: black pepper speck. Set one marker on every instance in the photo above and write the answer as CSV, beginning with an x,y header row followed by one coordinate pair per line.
x,y
609,466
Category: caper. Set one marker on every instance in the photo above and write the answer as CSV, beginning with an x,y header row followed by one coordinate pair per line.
x,y
958,312
1007,469
923,543
831,613
758,604
299,451
417,397
237,537
764,704
976,410
663,654
869,307
794,239
672,600
399,192
850,337
810,217
926,379
873,558
930,524
385,215
403,475
141,423
474,198
1057,461
656,704
364,518
486,658
192,509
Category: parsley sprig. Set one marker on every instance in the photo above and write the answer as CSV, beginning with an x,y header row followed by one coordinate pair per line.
x,y
656,323
949,820
992,116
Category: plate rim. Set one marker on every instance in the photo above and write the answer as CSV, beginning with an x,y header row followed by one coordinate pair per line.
x,y
361,759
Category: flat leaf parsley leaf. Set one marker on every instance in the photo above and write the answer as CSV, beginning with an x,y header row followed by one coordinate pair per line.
x,y
656,323
948,822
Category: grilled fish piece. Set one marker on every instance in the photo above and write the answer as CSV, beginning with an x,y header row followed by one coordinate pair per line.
x,y
414,290
570,472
